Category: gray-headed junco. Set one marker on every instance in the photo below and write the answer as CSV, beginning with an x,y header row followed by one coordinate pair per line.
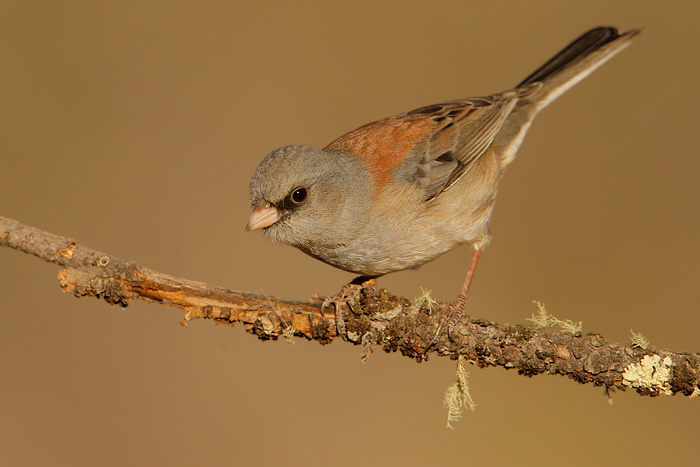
x,y
396,193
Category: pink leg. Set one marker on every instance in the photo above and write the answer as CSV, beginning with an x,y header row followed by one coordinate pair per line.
x,y
454,309
462,297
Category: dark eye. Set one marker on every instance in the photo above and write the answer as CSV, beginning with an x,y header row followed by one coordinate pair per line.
x,y
299,195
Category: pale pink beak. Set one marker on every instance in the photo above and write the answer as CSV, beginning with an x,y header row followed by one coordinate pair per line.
x,y
263,215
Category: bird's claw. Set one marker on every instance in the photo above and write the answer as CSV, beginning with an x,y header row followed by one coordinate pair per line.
x,y
449,318
348,294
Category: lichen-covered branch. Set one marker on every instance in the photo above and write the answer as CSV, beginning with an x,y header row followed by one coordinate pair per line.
x,y
375,317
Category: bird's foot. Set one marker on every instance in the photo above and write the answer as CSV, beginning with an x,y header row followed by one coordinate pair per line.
x,y
454,310
347,295
449,317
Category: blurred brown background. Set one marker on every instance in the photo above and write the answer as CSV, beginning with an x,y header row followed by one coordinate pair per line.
x,y
135,127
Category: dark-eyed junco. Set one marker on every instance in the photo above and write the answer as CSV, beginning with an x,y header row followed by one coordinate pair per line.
x,y
396,193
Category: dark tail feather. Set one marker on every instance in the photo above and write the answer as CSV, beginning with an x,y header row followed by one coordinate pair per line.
x,y
584,45
577,60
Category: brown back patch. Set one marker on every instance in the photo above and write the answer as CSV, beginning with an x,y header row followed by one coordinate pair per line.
x,y
385,144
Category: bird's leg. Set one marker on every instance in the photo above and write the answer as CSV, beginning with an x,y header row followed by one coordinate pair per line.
x,y
462,297
454,309
347,294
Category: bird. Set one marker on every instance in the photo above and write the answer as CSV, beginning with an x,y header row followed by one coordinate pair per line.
x,y
397,193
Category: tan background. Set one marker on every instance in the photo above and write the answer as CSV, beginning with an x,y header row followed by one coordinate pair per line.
x,y
135,128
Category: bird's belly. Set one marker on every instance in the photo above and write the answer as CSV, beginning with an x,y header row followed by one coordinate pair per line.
x,y
415,243
372,259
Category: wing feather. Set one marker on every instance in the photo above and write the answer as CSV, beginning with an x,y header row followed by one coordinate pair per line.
x,y
466,130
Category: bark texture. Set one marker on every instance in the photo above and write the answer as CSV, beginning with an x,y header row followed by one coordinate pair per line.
x,y
373,318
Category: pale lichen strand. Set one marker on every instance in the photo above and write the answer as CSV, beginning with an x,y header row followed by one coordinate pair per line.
x,y
458,396
425,299
544,319
639,341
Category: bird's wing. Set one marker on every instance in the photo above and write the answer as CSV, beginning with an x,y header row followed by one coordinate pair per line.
x,y
466,129
432,146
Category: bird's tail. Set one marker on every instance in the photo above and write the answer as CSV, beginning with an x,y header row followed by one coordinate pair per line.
x,y
576,61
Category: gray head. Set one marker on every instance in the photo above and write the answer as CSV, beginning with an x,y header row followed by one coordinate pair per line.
x,y
299,196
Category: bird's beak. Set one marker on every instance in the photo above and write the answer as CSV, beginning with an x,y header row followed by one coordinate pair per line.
x,y
263,215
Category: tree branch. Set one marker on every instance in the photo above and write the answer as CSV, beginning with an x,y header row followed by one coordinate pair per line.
x,y
375,318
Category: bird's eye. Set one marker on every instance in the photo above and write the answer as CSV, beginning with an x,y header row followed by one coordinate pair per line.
x,y
299,195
